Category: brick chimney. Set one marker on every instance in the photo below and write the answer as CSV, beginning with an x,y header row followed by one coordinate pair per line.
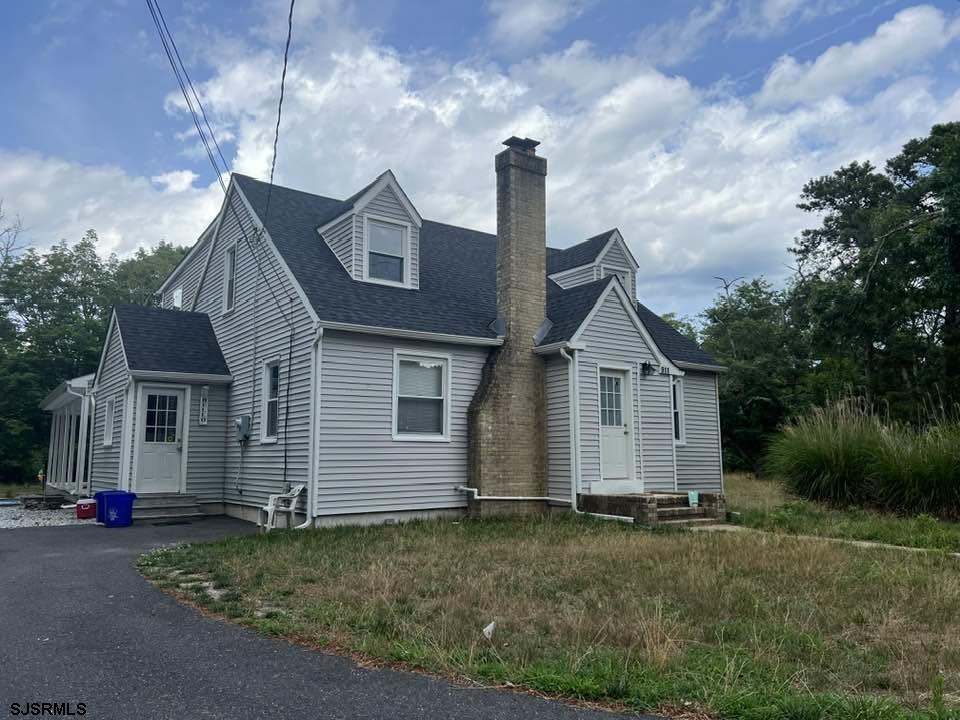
x,y
507,418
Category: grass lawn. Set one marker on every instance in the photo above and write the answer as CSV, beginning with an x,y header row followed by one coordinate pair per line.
x,y
14,490
736,624
766,505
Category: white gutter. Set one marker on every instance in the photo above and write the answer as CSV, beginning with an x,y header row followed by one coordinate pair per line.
x,y
702,366
316,357
573,390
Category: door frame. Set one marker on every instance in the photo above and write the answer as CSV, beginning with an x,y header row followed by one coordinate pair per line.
x,y
141,392
634,482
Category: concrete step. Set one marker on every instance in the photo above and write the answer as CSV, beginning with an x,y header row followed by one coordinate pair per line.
x,y
684,522
164,500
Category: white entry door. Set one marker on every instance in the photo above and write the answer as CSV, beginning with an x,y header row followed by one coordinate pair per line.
x,y
615,435
161,441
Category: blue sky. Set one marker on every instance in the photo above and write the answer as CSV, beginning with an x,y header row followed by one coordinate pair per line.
x,y
689,125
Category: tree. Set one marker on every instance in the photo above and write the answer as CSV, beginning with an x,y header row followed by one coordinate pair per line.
x,y
55,307
682,325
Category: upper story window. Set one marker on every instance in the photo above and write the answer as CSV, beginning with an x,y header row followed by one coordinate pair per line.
x,y
178,298
387,251
624,275
229,278
679,424
421,396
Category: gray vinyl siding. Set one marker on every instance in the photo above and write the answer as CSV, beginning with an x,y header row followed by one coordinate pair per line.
x,y
387,205
576,276
340,239
188,276
558,426
615,258
698,461
361,468
105,467
612,338
207,445
253,333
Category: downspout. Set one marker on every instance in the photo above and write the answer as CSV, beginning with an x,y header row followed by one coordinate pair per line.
x,y
573,390
316,355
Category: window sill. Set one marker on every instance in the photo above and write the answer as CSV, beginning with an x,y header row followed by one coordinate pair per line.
x,y
268,441
421,438
388,283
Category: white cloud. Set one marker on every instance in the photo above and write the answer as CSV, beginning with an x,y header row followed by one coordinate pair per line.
x,y
763,18
524,24
680,40
700,183
897,47
176,181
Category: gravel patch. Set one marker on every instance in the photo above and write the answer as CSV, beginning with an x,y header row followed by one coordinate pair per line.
x,y
17,517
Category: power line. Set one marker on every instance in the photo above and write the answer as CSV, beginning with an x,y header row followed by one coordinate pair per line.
x,y
276,133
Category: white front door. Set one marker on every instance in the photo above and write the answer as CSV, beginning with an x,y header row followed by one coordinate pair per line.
x,y
161,441
615,435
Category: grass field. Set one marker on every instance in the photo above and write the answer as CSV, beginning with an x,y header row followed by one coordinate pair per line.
x,y
12,491
737,625
764,504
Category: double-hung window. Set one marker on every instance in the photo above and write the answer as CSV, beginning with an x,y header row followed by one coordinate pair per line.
x,y
421,397
229,278
271,402
679,424
386,252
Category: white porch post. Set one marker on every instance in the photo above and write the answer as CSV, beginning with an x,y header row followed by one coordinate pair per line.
x,y
53,436
62,451
82,449
55,433
91,418
71,449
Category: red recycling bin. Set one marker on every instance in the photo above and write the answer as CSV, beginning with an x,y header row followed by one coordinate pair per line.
x,y
86,509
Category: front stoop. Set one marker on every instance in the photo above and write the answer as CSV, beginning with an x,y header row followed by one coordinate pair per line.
x,y
659,509
166,507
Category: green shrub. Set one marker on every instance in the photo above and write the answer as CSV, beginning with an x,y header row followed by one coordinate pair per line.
x,y
845,454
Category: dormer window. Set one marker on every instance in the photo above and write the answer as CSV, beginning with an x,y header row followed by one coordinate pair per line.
x,y
387,252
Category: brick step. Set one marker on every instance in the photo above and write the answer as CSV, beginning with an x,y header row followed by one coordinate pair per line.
x,y
671,501
678,512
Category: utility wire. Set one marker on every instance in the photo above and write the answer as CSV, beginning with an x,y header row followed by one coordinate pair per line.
x,y
276,133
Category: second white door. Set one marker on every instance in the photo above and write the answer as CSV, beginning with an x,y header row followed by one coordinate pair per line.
x,y
161,441
615,436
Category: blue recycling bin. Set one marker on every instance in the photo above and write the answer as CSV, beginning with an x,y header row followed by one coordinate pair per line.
x,y
115,507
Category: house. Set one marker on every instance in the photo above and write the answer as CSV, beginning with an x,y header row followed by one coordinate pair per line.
x,y
397,367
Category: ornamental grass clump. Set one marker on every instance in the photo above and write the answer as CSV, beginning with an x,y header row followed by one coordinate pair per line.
x,y
846,454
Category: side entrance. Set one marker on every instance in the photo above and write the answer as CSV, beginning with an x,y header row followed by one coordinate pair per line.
x,y
617,443
161,446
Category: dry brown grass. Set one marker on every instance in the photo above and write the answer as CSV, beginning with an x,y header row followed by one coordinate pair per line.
x,y
598,603
745,491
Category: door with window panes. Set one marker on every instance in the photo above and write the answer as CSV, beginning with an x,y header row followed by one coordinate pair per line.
x,y
160,440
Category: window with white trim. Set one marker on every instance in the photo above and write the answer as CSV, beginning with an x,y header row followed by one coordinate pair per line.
x,y
679,422
271,401
178,298
386,252
624,275
229,278
204,409
109,413
421,396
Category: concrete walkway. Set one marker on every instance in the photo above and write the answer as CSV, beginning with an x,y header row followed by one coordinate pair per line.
x,y
79,624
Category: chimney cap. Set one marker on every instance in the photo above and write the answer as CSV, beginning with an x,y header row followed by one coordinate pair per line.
x,y
524,145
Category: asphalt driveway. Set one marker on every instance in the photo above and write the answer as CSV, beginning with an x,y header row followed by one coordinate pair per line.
x,y
79,624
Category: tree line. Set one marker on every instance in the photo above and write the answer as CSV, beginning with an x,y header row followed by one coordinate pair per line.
x,y
54,310
871,309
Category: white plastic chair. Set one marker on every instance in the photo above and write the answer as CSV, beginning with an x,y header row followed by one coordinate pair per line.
x,y
281,503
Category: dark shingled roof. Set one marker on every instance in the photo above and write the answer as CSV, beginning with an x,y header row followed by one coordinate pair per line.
x,y
457,294
679,348
567,309
583,253
169,340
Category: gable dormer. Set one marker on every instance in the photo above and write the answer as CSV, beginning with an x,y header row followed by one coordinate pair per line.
x,y
377,235
596,258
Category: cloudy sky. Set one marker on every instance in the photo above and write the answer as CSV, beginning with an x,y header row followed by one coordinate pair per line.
x,y
691,126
